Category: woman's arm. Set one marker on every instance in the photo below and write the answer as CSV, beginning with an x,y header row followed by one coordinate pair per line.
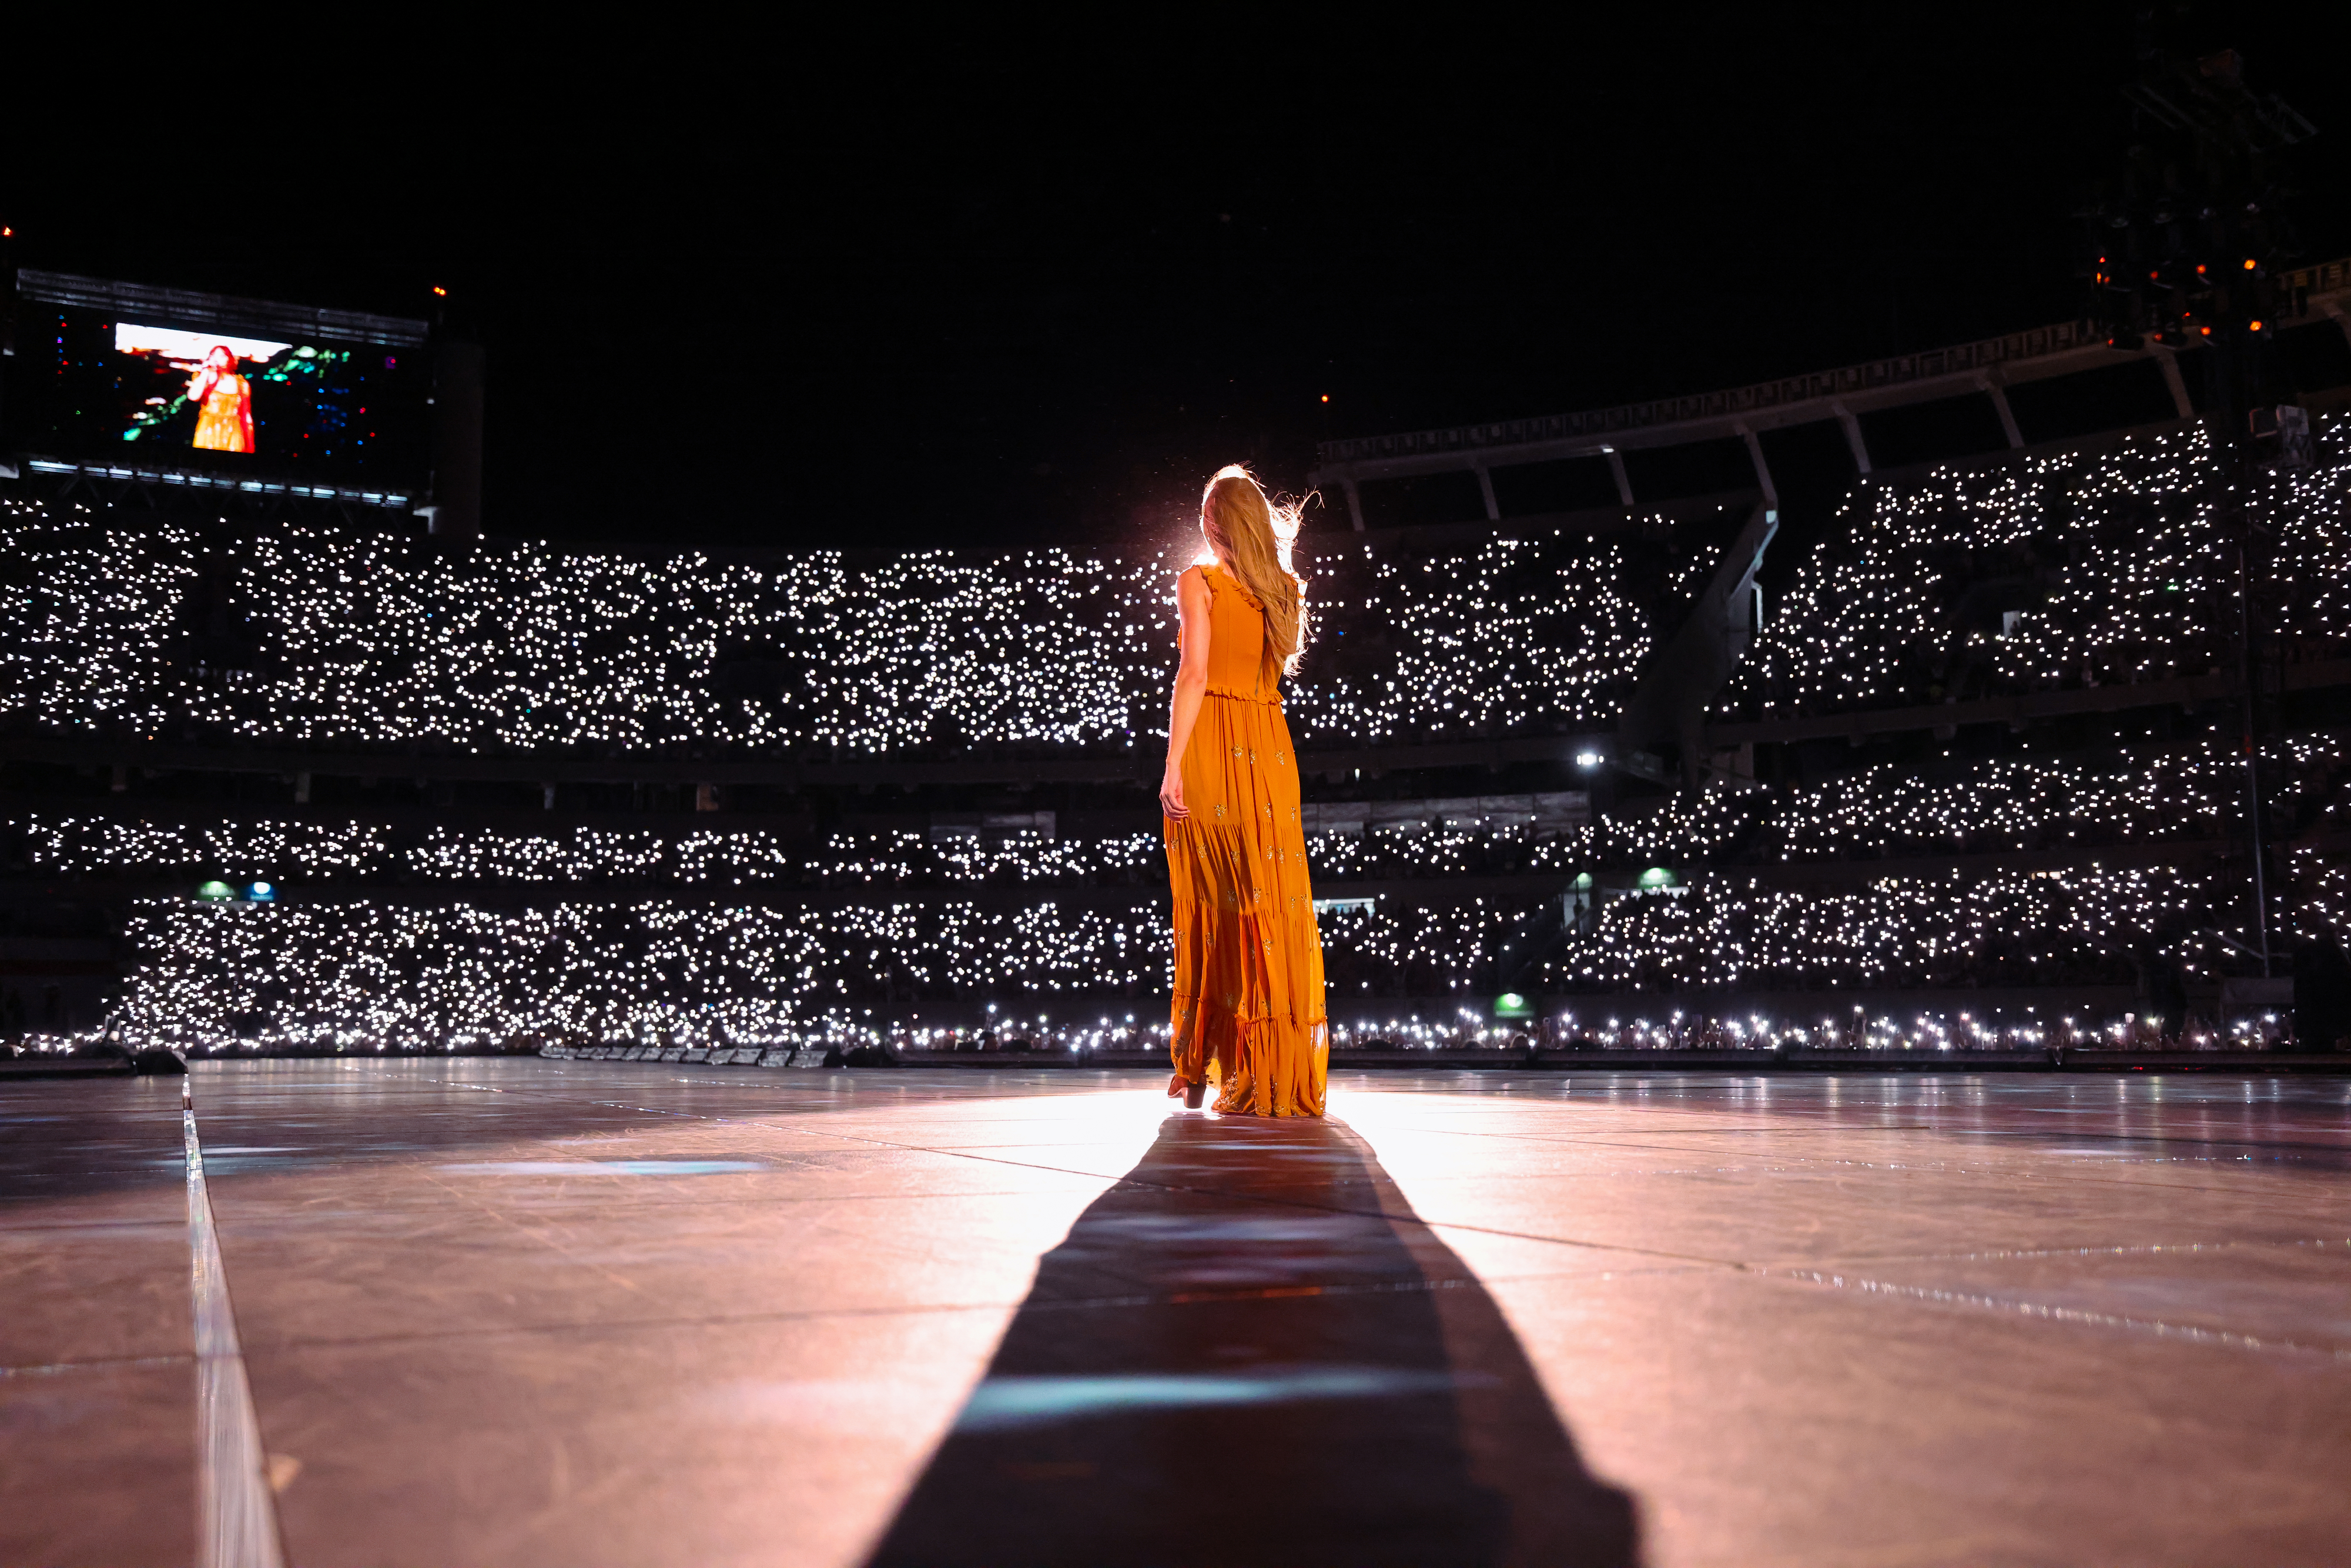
x,y
1191,684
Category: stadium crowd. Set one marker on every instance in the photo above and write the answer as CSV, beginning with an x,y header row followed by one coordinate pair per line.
x,y
2075,570
2091,566
300,635
2179,793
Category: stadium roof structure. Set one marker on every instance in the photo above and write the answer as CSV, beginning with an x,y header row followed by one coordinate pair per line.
x,y
1987,366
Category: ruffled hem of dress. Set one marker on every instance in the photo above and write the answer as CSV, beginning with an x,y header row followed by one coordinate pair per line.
x,y
1262,1066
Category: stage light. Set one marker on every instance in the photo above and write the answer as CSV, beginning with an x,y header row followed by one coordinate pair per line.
x,y
262,893
2199,269
1587,759
1326,397
438,289
2257,326
2248,264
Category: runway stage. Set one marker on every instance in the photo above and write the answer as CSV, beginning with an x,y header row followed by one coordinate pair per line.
x,y
528,1312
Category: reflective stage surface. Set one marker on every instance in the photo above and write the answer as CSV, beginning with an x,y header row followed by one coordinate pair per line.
x,y
527,1313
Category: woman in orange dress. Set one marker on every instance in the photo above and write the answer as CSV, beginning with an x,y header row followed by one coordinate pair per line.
x,y
1249,1009
223,400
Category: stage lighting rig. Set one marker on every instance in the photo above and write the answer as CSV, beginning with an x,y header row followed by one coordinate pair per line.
x,y
2187,252
2186,249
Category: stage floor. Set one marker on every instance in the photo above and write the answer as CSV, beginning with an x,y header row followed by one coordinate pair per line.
x,y
527,1313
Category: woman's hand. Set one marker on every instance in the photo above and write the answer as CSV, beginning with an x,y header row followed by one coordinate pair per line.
x,y
1191,687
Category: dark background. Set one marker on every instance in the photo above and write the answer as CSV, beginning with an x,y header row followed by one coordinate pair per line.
x,y
938,284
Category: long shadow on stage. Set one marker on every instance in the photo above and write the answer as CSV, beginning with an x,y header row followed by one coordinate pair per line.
x,y
1250,1352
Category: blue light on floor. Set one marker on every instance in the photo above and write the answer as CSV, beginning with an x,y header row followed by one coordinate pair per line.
x,y
605,1167
1004,1404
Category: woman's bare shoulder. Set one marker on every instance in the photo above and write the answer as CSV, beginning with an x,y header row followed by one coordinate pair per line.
x,y
1191,580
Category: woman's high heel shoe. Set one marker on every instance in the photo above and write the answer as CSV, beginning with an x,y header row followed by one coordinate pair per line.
x,y
1193,1093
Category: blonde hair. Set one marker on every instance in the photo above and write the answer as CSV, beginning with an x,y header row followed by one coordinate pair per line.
x,y
1252,536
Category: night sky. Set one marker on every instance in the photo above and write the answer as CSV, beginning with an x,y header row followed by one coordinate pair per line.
x,y
994,287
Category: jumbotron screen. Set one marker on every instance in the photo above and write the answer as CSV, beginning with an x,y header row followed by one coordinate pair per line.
x,y
113,385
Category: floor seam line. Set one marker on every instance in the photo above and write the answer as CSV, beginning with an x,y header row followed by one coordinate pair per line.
x,y
2044,1312
236,1511
1732,1265
95,1363
1247,1198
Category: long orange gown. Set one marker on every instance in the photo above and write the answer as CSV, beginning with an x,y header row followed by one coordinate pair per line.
x,y
224,422
1248,1011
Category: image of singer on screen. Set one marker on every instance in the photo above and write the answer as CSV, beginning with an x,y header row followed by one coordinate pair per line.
x,y
225,399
